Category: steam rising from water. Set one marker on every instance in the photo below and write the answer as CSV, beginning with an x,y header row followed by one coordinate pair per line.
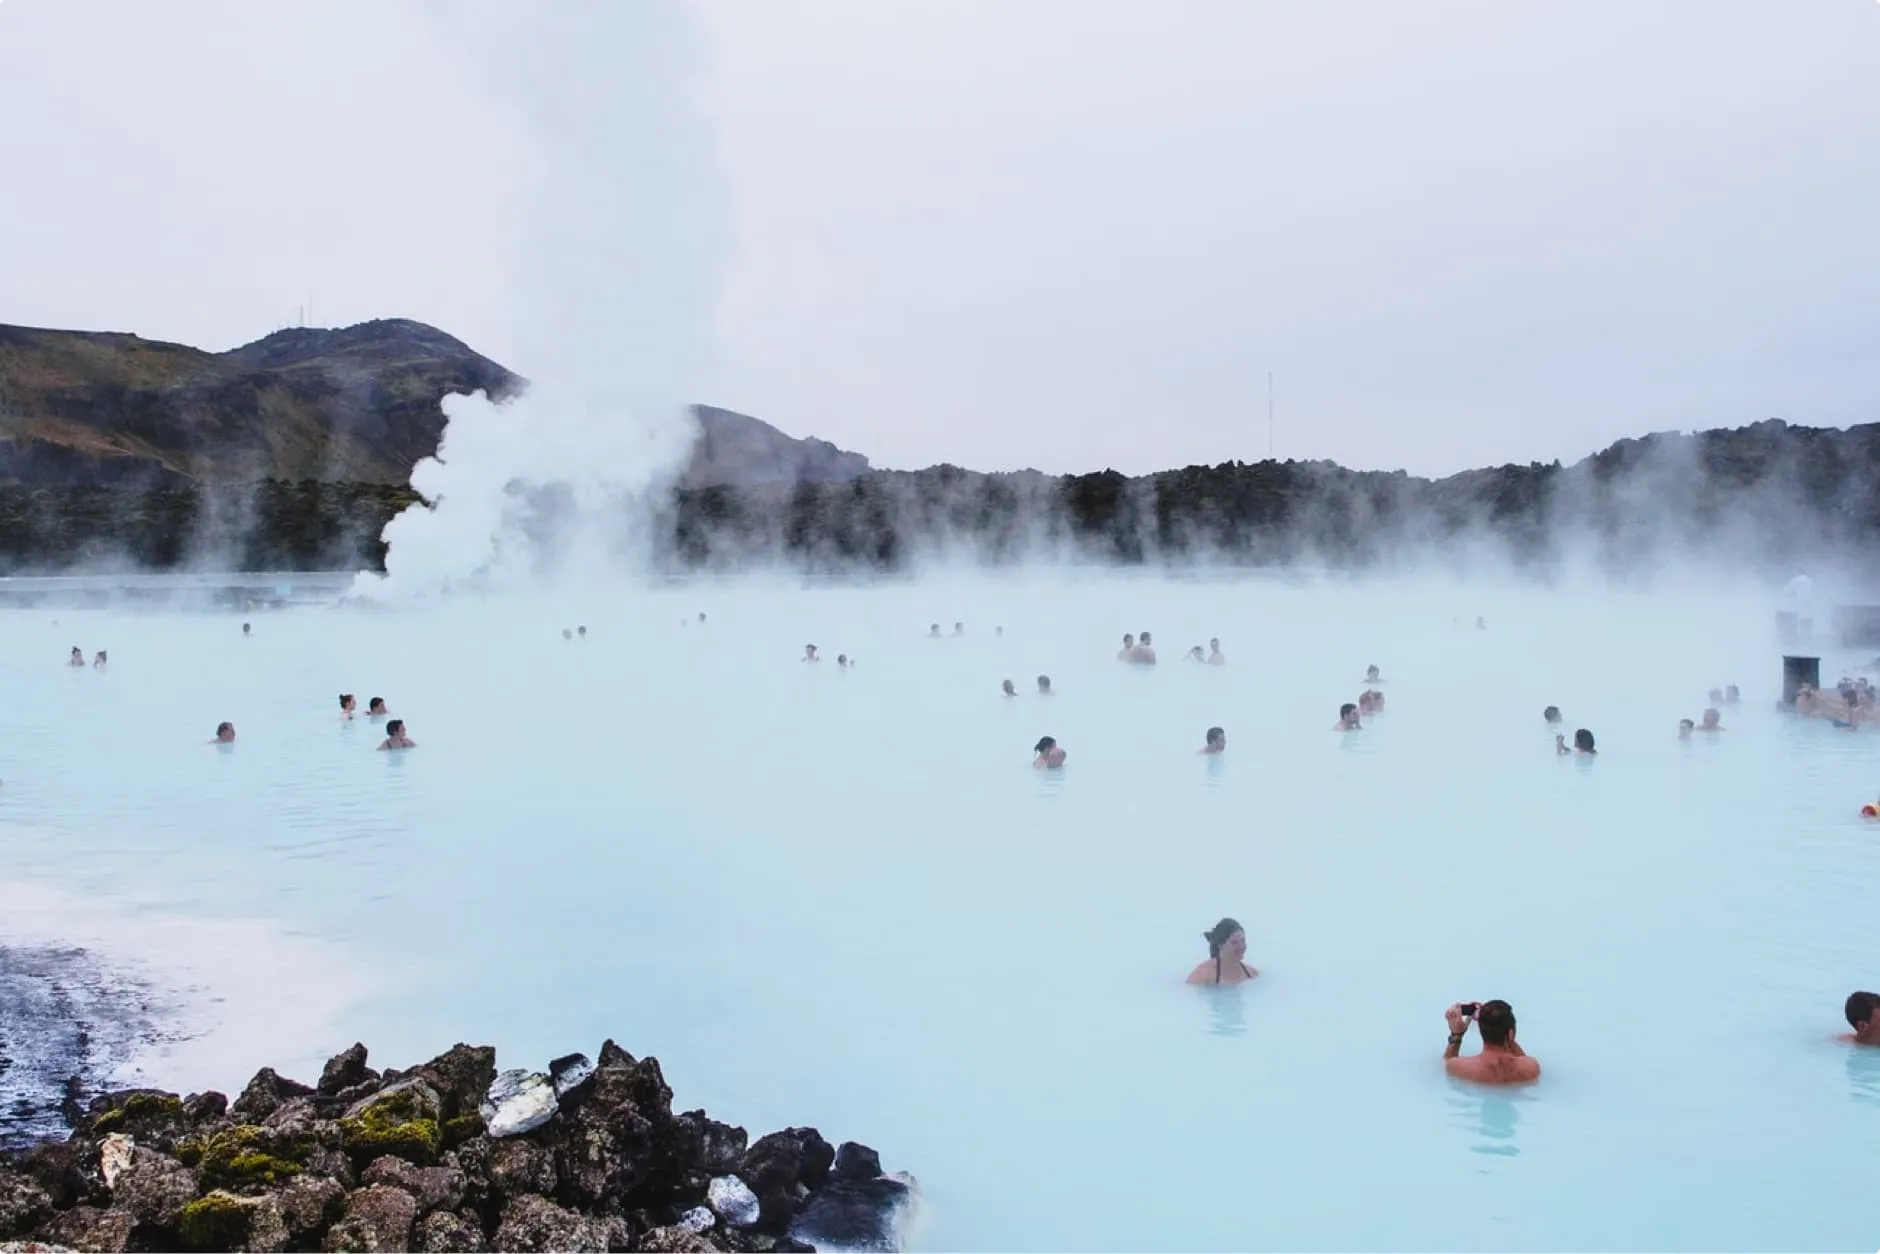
x,y
617,233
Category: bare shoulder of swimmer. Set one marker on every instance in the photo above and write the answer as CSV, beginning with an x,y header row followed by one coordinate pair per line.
x,y
1203,973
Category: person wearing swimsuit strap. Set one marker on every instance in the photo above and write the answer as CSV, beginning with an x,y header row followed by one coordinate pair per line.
x,y
1227,943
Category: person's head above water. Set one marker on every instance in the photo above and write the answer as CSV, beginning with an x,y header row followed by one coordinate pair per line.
x,y
1048,751
1129,640
346,701
246,628
1217,738
1495,1021
566,634
376,705
1685,727
1551,714
1712,719
1144,637
1370,672
1583,740
1226,939
395,728
580,631
933,629
1348,715
1863,1015
225,733
1008,688
1045,744
1044,683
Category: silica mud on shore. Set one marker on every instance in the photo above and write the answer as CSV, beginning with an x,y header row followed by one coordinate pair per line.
x,y
448,1155
99,996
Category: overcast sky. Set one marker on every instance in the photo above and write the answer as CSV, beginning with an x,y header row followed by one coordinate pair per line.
x,y
1057,233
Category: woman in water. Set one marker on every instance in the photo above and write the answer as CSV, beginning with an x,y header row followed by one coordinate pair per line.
x,y
1713,721
395,737
1227,952
347,704
1582,744
224,734
1217,742
1371,676
77,658
98,663
809,653
1050,755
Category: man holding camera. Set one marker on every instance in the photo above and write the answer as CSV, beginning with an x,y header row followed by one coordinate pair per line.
x,y
1502,1060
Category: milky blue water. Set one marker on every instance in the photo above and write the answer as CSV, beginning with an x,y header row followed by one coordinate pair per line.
x,y
846,899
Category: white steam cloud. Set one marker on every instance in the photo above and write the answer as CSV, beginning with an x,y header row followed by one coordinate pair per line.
x,y
611,276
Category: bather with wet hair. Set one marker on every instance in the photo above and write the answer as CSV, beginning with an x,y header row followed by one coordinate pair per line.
x,y
1227,952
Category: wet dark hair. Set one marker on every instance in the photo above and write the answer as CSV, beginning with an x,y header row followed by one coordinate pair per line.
x,y
375,703
1218,935
1045,744
1583,740
581,630
1044,681
395,728
1371,669
224,727
1685,722
344,697
1216,733
1861,1007
1347,709
1551,714
1144,637
1495,1021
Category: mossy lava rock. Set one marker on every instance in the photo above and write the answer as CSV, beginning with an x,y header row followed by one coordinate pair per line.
x,y
401,1119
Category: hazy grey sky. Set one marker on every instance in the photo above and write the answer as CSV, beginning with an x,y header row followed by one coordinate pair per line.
x,y
1060,233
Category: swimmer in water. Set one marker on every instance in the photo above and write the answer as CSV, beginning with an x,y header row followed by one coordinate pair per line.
x,y
98,663
1685,727
809,653
1009,688
1215,656
1551,715
1194,655
1502,1060
346,706
566,634
395,737
1129,648
1217,743
933,631
1144,652
844,661
224,734
1371,676
247,629
1044,685
1347,719
1716,696
1582,744
701,618
959,629
77,658
1731,696
1050,755
1863,1015
1713,721
375,708
1227,954
581,632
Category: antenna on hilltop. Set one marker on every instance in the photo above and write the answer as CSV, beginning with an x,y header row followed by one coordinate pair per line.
x,y
1269,415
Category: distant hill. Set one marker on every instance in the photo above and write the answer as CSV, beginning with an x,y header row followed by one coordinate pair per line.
x,y
359,405
292,453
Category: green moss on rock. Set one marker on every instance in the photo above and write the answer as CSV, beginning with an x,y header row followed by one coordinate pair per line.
x,y
137,1108
246,1157
401,1121
462,1130
216,1222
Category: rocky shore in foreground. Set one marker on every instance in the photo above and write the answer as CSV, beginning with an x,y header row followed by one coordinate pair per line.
x,y
448,1155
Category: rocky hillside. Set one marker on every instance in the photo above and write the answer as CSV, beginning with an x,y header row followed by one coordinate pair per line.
x,y
358,405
